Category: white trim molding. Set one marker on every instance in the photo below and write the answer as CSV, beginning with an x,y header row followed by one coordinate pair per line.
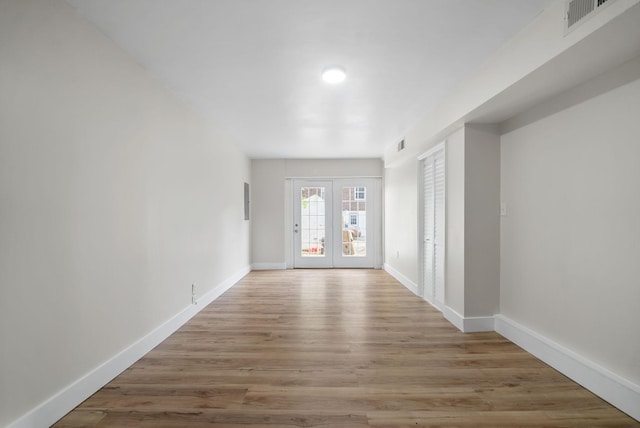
x,y
51,410
269,266
468,324
216,292
412,286
620,392
436,147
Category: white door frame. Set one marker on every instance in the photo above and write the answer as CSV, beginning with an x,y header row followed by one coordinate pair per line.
x,y
374,220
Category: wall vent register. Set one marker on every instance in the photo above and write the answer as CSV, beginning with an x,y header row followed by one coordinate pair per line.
x,y
578,10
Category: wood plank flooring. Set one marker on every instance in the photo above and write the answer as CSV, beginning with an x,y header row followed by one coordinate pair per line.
x,y
350,348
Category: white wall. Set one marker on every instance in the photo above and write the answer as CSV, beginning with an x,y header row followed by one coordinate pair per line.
x,y
570,242
482,221
310,168
401,221
267,212
114,198
270,240
455,220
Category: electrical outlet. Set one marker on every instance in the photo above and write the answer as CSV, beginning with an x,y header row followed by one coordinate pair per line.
x,y
194,301
397,254
503,209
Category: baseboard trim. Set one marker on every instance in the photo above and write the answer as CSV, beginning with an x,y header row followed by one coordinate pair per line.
x,y
469,324
51,410
216,292
412,286
269,266
618,391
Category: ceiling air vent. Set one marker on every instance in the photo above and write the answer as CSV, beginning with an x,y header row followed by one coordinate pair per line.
x,y
577,10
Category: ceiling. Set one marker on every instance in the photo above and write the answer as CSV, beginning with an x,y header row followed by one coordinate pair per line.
x,y
252,67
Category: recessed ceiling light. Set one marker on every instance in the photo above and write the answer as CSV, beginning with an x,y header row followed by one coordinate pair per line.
x,y
334,74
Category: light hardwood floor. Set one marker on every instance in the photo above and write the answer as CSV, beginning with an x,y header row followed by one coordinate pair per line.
x,y
336,348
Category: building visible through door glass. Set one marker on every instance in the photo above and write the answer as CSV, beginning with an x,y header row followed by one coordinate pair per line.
x,y
354,221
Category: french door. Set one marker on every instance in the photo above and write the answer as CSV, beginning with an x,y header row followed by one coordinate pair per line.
x,y
336,223
313,215
433,225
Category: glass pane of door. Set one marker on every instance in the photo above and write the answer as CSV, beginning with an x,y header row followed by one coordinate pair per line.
x,y
313,224
312,221
354,221
357,223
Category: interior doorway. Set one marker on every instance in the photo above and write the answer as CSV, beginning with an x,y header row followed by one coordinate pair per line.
x,y
336,223
432,221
